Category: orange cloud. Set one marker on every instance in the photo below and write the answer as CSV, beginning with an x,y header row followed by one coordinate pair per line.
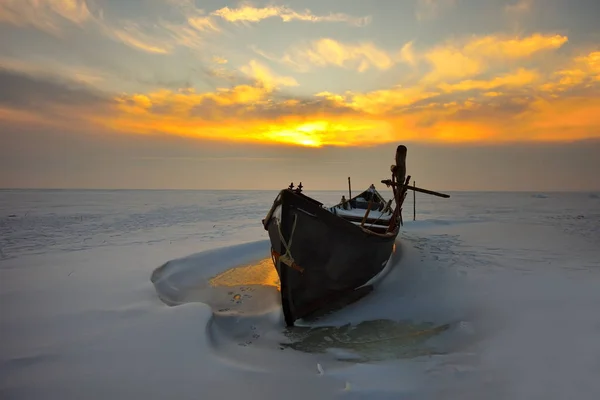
x,y
207,116
181,103
248,13
458,61
494,47
505,107
289,130
260,119
518,79
383,101
564,119
451,63
247,113
452,60
460,132
543,120
583,70
478,90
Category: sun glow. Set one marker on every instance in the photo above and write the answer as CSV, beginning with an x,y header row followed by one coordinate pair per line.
x,y
344,130
337,132
481,104
309,134
474,87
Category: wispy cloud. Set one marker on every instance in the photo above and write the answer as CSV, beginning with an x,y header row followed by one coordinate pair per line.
x,y
432,9
49,15
519,7
248,13
203,24
131,34
266,77
219,60
158,37
324,52
407,54
162,36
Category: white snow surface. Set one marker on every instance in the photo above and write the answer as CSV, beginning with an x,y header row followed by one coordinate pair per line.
x,y
171,295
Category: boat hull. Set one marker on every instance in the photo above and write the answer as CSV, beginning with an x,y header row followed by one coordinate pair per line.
x,y
331,256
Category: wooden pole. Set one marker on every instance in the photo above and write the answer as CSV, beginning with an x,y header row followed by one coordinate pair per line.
x,y
414,202
362,223
388,182
399,196
349,189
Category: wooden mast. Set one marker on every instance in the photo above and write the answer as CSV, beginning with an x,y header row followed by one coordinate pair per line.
x,y
400,181
349,189
414,202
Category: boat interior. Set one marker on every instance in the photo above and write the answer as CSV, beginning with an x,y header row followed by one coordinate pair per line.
x,y
369,204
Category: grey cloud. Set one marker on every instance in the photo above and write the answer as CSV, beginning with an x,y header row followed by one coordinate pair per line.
x,y
28,92
269,109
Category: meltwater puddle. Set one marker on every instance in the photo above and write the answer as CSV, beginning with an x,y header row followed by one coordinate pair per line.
x,y
242,287
236,280
373,340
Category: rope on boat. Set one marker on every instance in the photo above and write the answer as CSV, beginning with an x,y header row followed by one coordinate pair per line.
x,y
287,257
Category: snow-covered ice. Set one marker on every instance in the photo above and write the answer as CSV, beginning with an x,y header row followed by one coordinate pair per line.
x,y
172,294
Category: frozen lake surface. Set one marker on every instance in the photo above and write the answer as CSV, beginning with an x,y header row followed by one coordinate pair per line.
x,y
172,294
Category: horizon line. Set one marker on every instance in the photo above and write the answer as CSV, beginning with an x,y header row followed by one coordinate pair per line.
x,y
277,190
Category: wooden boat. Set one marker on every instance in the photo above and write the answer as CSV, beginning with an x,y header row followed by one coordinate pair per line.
x,y
327,254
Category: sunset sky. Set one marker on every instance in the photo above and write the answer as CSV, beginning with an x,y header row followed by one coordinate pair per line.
x,y
486,94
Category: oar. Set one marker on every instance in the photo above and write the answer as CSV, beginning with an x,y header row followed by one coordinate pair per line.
x,y
388,182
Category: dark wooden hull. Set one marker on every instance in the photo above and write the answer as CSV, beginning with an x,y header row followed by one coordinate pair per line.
x,y
332,257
